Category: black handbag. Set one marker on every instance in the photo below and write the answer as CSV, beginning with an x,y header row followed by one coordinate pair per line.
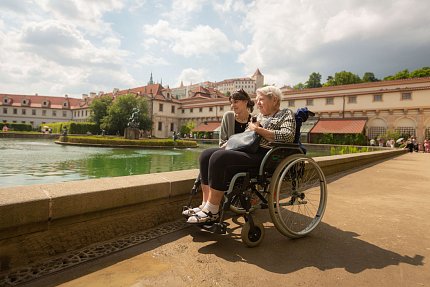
x,y
248,141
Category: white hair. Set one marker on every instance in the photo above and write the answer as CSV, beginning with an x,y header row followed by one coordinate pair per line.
x,y
271,91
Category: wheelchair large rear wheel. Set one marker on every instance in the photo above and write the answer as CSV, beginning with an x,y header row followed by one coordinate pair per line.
x,y
298,196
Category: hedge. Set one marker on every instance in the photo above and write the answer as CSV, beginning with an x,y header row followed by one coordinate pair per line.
x,y
73,127
17,127
115,141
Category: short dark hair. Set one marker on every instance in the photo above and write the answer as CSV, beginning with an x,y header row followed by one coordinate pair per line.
x,y
243,96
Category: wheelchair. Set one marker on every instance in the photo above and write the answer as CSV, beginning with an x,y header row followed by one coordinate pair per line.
x,y
288,183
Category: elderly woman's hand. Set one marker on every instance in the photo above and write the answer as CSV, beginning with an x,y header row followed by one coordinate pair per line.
x,y
253,126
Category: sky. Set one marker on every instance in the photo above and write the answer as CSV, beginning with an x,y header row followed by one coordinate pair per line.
x,y
74,47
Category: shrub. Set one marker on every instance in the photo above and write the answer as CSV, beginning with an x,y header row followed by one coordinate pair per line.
x,y
17,127
116,141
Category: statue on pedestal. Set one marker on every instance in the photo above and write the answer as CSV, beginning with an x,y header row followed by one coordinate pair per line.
x,y
132,131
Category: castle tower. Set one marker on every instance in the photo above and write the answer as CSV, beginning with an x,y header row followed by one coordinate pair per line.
x,y
258,78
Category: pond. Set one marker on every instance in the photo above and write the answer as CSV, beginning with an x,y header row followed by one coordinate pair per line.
x,y
36,161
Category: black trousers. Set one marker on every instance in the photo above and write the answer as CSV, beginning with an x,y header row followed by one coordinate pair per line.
x,y
218,166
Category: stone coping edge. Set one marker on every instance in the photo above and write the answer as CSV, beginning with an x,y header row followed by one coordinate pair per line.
x,y
36,206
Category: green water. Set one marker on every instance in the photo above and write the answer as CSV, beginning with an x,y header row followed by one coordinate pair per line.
x,y
30,161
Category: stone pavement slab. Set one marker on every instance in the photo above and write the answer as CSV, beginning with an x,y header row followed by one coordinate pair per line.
x,y
375,232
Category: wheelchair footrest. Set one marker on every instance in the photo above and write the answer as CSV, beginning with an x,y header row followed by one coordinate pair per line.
x,y
219,228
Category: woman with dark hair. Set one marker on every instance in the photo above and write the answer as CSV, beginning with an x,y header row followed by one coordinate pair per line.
x,y
236,120
233,122
218,166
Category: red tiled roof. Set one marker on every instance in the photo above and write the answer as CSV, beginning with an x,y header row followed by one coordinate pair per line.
x,y
339,126
208,127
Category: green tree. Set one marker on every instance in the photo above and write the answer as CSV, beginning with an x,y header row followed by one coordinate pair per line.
x,y
99,108
314,81
399,75
120,111
369,77
343,78
299,86
419,73
187,128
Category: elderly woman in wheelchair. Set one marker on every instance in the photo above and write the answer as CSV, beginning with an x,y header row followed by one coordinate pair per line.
x,y
277,175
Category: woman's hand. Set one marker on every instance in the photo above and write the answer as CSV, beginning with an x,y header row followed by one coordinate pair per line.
x,y
253,126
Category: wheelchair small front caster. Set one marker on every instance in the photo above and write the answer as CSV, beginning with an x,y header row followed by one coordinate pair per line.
x,y
252,237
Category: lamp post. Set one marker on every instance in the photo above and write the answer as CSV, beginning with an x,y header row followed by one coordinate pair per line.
x,y
152,113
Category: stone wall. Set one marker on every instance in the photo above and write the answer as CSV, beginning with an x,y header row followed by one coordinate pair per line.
x,y
41,221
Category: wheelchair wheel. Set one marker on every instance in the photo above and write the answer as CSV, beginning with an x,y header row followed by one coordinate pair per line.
x,y
298,196
252,238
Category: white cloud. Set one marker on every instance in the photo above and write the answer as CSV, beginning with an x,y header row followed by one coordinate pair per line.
x,y
330,36
230,6
152,60
190,76
82,13
201,40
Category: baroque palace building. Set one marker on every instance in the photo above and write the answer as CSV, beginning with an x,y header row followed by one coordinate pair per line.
x,y
368,108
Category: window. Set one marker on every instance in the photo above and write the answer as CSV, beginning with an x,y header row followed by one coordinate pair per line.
x,y
23,111
183,111
406,96
221,108
54,113
377,98
191,110
211,109
309,102
374,132
86,113
406,131
160,107
65,104
172,127
22,122
43,112
329,101
160,126
64,114
291,103
15,111
173,109
352,99
33,112
200,110
4,110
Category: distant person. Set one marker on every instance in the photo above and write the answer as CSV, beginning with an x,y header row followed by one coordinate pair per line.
x,y
372,142
426,145
5,128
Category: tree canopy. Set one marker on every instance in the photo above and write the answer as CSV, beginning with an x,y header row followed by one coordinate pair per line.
x,y
99,108
343,78
119,112
314,81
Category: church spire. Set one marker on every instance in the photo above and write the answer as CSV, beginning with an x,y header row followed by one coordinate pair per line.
x,y
151,82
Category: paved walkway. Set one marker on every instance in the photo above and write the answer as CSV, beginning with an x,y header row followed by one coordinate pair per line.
x,y
376,232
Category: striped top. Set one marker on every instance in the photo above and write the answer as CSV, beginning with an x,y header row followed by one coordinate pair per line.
x,y
283,123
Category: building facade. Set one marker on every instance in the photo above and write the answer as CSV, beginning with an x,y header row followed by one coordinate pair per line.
x,y
399,105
